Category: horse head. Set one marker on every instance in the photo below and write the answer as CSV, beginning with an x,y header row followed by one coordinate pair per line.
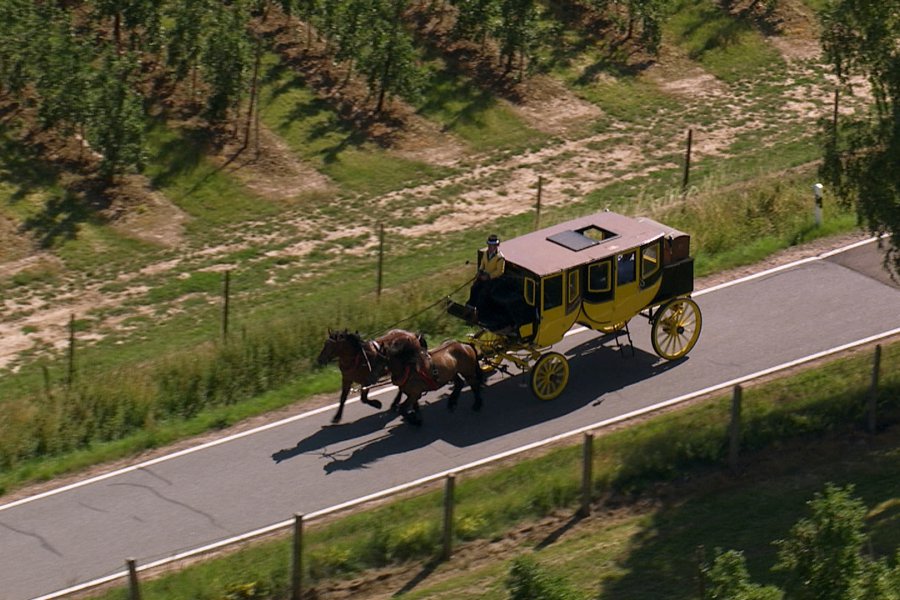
x,y
332,346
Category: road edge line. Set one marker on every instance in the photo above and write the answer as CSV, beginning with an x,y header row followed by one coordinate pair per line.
x,y
481,462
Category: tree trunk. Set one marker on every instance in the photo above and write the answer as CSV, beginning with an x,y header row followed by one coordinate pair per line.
x,y
117,33
254,89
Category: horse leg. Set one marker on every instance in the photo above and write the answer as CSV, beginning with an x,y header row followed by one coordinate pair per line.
x,y
475,383
395,405
345,390
476,389
410,410
364,398
454,395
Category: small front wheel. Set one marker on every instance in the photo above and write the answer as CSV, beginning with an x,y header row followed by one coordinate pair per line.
x,y
676,328
549,376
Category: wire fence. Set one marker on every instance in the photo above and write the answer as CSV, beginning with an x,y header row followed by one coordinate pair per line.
x,y
866,400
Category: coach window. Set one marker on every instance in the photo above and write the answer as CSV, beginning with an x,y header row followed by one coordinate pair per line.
x,y
625,268
573,285
553,291
649,260
598,277
529,291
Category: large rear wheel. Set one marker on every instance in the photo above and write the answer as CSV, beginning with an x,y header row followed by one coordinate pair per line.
x,y
549,376
676,328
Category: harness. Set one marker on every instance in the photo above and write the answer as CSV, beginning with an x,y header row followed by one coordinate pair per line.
x,y
428,379
364,355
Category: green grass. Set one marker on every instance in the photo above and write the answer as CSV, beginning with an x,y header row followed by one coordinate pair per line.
x,y
178,166
728,47
332,286
315,132
775,214
472,113
679,455
627,98
816,5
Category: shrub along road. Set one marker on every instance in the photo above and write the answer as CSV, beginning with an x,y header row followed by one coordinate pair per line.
x,y
219,491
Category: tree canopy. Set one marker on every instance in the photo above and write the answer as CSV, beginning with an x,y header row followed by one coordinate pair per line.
x,y
862,156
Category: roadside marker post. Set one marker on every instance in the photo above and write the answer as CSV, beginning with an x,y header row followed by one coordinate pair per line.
x,y
817,205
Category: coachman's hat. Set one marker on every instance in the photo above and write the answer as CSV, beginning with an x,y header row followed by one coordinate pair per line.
x,y
493,239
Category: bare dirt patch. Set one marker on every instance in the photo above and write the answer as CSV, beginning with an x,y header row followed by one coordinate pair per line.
x,y
268,167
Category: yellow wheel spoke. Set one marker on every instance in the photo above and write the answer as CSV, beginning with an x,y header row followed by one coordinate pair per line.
x,y
549,376
676,328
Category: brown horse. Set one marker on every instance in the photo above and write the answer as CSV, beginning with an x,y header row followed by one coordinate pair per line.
x,y
363,362
453,361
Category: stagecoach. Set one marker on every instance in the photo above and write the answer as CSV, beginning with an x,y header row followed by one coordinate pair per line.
x,y
599,271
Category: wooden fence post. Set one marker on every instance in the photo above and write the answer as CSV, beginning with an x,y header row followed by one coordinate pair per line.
x,y
226,301
70,377
687,161
48,392
134,586
297,559
449,493
380,260
537,211
587,474
734,444
834,117
873,391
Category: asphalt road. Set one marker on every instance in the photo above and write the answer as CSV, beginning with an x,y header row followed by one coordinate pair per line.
x,y
197,498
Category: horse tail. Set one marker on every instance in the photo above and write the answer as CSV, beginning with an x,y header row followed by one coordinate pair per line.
x,y
479,372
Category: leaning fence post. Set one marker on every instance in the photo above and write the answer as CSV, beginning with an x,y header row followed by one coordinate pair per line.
x,y
587,475
873,391
734,445
449,489
70,376
297,559
687,161
380,267
226,303
134,588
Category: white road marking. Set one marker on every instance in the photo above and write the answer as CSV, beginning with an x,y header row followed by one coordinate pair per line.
x,y
330,407
483,461
436,476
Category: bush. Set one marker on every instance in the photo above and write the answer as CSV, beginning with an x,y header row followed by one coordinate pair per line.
x,y
528,581
247,591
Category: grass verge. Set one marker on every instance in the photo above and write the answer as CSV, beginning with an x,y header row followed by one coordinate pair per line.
x,y
674,458
119,392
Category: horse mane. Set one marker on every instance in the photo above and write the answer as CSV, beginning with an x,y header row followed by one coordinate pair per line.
x,y
402,352
346,335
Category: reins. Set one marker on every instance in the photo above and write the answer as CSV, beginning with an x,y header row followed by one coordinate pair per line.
x,y
429,307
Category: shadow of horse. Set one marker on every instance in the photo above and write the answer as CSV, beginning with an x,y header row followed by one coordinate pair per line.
x,y
511,408
326,437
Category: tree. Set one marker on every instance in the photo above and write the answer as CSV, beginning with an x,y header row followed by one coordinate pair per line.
x,y
62,73
185,35
516,31
727,579
822,558
19,20
130,15
476,19
649,14
226,58
118,122
862,161
389,60
823,555
353,22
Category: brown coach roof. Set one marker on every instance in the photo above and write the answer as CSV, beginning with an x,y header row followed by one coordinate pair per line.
x,y
563,246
